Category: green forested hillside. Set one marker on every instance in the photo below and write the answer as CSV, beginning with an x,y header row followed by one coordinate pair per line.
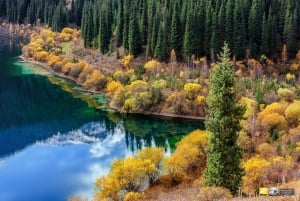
x,y
199,27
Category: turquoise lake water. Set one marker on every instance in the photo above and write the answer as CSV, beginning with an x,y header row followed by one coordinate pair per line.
x,y
55,140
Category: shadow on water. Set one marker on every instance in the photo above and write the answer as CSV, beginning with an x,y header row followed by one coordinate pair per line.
x,y
35,108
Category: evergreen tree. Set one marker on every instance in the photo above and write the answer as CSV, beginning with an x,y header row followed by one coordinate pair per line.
x,y
255,28
160,49
291,35
214,42
221,23
126,13
190,43
208,26
120,21
223,121
176,36
229,24
134,36
239,31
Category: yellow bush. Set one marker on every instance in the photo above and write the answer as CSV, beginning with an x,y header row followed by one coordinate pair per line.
x,y
191,90
290,77
275,107
190,153
266,150
200,100
292,112
95,80
213,193
285,94
41,56
250,105
113,86
67,30
127,175
138,86
66,68
151,64
53,59
294,67
134,196
126,60
254,172
130,105
273,120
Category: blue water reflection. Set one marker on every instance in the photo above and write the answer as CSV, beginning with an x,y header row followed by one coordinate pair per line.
x,y
56,140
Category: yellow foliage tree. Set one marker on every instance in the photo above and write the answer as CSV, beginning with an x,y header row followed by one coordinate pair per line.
x,y
266,150
53,59
95,80
292,112
126,60
192,90
190,154
67,67
273,120
152,67
285,94
250,106
200,100
41,56
112,87
155,155
254,174
127,175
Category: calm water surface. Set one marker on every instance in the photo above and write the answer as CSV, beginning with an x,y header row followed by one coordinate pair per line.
x,y
56,140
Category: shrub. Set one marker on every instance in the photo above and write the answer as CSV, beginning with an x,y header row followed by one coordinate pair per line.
x,y
189,155
285,94
292,112
75,70
191,90
213,194
134,196
254,171
113,86
95,80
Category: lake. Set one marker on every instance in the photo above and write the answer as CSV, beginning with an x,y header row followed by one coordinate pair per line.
x,y
55,139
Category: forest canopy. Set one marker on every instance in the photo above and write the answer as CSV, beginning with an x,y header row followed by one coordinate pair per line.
x,y
191,27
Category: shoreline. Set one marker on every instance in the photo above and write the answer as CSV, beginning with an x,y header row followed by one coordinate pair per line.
x,y
109,105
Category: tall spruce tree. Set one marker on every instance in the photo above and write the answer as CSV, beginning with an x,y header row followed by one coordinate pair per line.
x,y
134,35
160,49
176,36
239,32
223,121
229,23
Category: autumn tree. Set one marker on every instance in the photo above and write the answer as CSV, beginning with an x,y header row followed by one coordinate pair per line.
x,y
223,121
190,154
129,176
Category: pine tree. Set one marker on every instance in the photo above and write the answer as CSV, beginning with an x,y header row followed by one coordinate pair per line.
x,y
214,42
208,27
229,24
134,36
189,36
255,28
239,32
126,13
176,36
223,121
160,49
120,21
264,36
291,35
